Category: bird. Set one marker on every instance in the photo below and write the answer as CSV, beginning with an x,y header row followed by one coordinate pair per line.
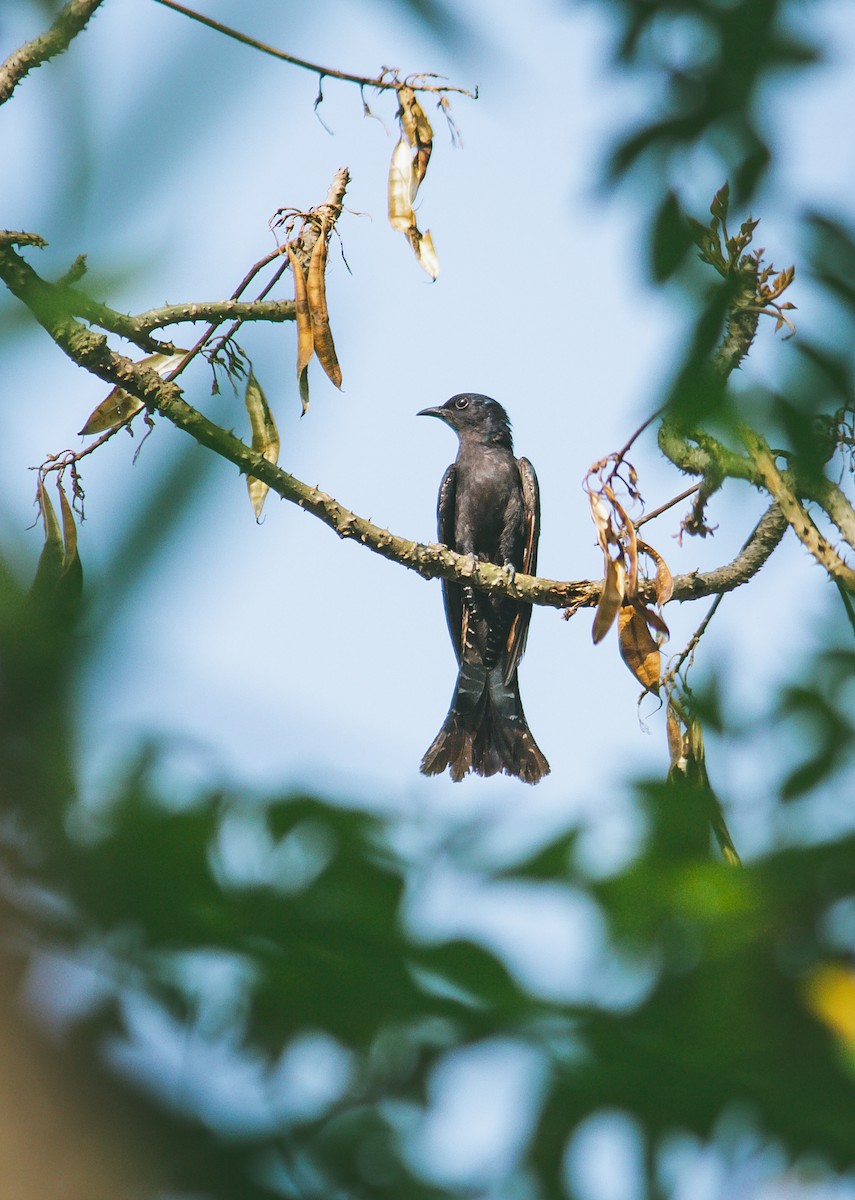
x,y
489,509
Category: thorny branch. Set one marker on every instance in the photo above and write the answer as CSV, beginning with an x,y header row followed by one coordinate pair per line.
x,y
91,351
69,21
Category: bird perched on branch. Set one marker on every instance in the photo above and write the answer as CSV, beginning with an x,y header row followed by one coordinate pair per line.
x,y
489,508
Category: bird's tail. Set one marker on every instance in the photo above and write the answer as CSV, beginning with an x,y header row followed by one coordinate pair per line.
x,y
485,730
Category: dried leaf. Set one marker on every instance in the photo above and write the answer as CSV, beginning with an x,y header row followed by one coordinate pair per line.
x,y
265,438
121,404
664,579
317,298
611,598
637,648
305,336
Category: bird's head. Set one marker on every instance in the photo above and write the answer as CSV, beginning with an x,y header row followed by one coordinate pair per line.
x,y
474,417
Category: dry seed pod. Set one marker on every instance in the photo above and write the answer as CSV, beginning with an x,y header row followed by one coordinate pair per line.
x,y
611,599
265,439
427,255
637,648
121,404
401,194
675,740
317,297
417,130
305,337
664,580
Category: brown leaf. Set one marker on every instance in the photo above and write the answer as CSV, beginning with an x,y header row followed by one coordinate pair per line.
x,y
265,439
305,336
637,648
121,404
317,298
611,599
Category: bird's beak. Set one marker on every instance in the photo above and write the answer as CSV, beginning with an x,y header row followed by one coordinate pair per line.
x,y
440,412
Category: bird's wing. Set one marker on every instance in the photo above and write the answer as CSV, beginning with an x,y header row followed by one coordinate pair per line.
x,y
531,534
451,593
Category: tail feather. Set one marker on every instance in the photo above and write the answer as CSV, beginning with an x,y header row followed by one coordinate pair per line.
x,y
485,730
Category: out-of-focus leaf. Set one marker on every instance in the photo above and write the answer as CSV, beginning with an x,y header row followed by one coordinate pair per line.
x,y
671,238
265,438
474,971
830,993
317,298
611,598
720,203
305,335
637,647
121,404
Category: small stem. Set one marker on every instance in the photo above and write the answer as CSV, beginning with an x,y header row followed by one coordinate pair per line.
x,y
363,80
657,512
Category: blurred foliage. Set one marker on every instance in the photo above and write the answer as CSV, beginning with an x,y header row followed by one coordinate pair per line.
x,y
739,1009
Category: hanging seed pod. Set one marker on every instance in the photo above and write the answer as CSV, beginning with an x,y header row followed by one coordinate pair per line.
x,y
305,336
317,298
265,439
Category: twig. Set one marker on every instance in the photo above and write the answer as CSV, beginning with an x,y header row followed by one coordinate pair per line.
x,y
657,512
384,80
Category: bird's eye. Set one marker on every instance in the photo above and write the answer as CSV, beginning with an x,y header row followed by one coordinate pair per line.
x,y
462,402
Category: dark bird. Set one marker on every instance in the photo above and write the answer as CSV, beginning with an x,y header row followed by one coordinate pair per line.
x,y
489,508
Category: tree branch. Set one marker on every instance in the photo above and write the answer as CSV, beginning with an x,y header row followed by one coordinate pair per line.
x,y
91,351
779,486
215,312
69,21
